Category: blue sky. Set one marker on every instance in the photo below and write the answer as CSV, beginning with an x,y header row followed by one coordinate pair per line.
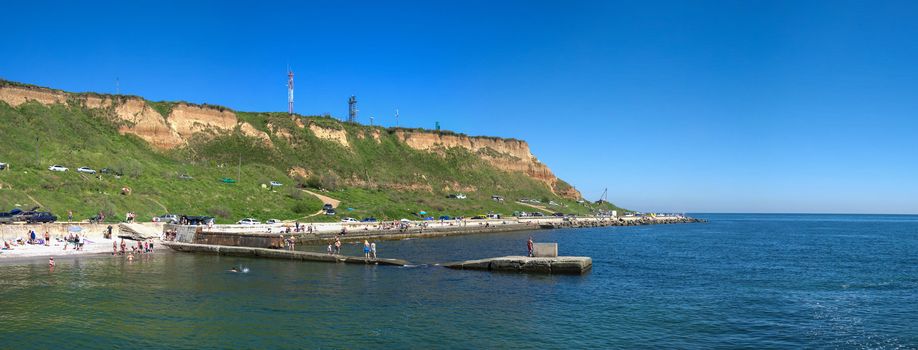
x,y
724,106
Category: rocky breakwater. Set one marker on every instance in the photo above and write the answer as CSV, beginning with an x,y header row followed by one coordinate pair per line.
x,y
603,222
551,265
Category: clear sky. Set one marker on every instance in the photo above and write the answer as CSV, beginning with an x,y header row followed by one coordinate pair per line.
x,y
726,106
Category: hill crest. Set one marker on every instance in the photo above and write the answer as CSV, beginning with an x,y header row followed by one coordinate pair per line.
x,y
171,125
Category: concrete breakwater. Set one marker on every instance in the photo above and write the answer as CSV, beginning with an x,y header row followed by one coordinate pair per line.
x,y
551,265
324,232
278,254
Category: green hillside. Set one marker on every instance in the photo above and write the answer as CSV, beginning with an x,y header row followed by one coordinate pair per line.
x,y
374,177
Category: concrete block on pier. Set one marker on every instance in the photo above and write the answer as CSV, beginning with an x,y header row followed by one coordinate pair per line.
x,y
545,250
555,265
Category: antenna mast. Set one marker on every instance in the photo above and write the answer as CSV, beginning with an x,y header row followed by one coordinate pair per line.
x,y
396,117
289,91
352,109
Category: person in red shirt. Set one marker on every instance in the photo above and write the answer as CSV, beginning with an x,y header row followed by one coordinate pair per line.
x,y
529,245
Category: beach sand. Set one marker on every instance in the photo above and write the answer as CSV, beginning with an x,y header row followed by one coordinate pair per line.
x,y
56,249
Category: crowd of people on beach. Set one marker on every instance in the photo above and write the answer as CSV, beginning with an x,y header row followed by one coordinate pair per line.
x,y
33,238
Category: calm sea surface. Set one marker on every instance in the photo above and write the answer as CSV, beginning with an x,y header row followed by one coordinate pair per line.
x,y
739,281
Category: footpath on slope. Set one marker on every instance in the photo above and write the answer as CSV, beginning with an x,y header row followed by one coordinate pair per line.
x,y
325,200
536,207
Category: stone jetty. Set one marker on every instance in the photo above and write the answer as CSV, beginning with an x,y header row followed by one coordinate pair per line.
x,y
551,265
277,254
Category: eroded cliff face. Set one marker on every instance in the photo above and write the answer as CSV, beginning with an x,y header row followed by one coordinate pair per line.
x,y
334,135
134,116
505,154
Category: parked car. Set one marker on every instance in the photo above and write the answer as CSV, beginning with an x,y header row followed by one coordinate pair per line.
x,y
9,217
330,212
167,218
272,221
560,215
348,220
85,169
369,219
327,206
444,217
536,213
479,217
275,184
198,220
185,177
111,171
248,221
3,166
56,167
19,215
40,216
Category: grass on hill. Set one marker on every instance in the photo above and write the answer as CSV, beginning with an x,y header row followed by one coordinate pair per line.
x,y
382,178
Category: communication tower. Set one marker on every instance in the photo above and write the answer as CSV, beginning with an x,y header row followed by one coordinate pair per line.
x,y
289,91
352,109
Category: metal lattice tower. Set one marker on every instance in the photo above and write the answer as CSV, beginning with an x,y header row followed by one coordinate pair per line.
x,y
289,91
352,109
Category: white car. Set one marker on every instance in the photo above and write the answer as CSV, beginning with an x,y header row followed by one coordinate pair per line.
x,y
272,221
248,221
85,169
57,168
275,184
349,220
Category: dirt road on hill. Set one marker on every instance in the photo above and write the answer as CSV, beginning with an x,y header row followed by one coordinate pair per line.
x,y
325,200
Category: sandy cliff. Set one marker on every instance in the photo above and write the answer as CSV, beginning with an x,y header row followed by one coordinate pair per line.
x,y
505,154
135,116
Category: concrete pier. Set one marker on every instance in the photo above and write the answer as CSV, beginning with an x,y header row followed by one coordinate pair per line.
x,y
555,265
277,254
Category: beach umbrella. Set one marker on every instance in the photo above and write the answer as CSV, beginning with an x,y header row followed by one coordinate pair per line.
x,y
75,229
422,212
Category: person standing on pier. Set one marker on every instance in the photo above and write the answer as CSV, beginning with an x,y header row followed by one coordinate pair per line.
x,y
373,250
529,245
337,246
366,249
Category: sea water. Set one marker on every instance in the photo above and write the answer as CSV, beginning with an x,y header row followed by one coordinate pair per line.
x,y
754,281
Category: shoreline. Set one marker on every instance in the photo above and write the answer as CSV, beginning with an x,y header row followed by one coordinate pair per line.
x,y
324,232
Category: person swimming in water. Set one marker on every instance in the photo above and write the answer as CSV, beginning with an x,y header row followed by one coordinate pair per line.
x,y
233,269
